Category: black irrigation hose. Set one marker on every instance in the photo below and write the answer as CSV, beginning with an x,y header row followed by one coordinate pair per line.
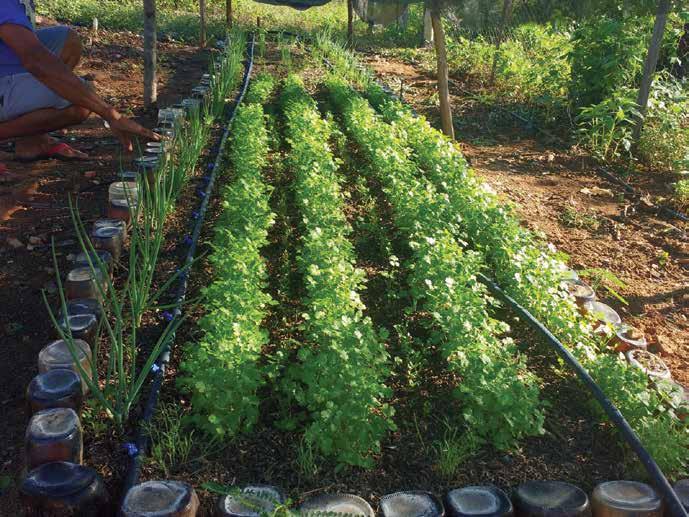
x,y
137,450
675,507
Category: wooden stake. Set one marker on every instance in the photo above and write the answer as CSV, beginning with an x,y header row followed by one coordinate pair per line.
x,y
443,74
350,24
228,13
427,27
150,54
650,64
506,15
202,28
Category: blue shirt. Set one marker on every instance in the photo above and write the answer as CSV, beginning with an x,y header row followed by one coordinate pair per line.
x,y
16,12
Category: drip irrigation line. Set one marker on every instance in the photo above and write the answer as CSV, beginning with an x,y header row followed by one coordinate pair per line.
x,y
137,449
675,507
662,209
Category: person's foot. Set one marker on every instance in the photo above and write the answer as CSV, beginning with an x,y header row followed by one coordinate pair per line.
x,y
45,146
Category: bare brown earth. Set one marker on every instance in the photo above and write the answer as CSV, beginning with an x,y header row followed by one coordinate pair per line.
x,y
558,191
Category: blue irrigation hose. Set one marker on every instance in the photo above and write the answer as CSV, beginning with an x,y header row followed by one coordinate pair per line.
x,y
137,449
675,507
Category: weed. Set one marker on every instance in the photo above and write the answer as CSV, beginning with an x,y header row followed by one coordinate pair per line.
x,y
682,192
572,218
305,461
171,442
454,449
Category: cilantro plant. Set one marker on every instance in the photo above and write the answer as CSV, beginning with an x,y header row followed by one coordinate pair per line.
x,y
339,374
223,370
499,398
531,271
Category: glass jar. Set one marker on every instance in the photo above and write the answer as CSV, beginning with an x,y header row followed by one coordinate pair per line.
x,y
192,107
105,256
57,355
123,199
83,306
625,499
62,489
478,501
106,223
580,291
629,338
108,238
553,498
604,315
169,117
165,131
252,501
327,504
148,167
161,498
54,435
81,326
83,282
414,502
128,176
55,388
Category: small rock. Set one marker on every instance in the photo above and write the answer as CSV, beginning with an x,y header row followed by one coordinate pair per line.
x,y
15,243
90,174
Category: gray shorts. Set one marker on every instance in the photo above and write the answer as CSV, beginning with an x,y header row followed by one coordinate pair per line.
x,y
23,93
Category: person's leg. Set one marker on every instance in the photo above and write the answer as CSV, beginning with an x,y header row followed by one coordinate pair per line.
x,y
30,130
30,110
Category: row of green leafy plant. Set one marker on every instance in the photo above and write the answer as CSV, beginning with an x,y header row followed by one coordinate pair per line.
x,y
499,397
126,303
337,377
222,370
531,272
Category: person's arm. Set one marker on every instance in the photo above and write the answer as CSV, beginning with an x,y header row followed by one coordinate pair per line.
x,y
51,71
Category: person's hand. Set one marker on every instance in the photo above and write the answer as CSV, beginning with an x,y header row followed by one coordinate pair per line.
x,y
126,129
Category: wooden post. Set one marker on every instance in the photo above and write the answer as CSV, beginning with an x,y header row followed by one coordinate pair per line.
x,y
506,15
650,64
228,13
350,24
150,54
427,27
258,22
443,73
202,27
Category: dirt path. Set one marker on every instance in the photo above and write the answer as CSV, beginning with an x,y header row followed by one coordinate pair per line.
x,y
558,192
34,208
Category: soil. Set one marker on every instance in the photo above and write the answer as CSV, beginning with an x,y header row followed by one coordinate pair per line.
x,y
541,178
558,190
34,209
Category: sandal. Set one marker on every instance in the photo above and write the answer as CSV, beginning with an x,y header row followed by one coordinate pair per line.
x,y
56,152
